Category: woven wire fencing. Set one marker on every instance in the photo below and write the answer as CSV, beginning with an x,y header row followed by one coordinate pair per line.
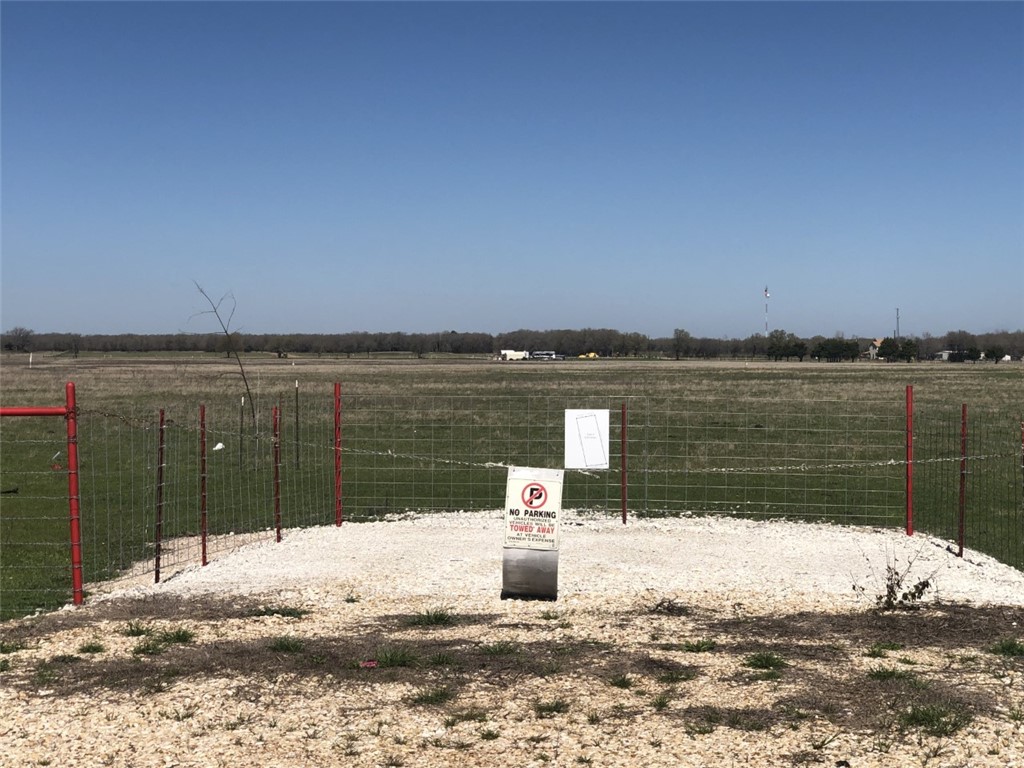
x,y
176,488
969,480
837,461
35,562
160,493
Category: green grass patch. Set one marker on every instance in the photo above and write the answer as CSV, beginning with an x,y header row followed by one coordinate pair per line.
x,y
441,694
943,719
881,650
884,674
136,628
661,701
765,661
703,645
550,708
287,644
500,648
471,715
621,681
396,656
1009,646
433,617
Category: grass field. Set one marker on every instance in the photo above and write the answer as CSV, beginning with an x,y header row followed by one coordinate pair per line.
x,y
811,440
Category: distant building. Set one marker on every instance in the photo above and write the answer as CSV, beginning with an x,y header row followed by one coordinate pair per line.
x,y
873,349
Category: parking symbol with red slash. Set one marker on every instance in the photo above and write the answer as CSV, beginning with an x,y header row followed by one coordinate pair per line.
x,y
534,495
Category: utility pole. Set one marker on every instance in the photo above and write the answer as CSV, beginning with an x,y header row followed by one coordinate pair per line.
x,y
897,323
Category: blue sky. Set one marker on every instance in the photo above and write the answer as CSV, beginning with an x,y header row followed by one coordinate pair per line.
x,y
493,166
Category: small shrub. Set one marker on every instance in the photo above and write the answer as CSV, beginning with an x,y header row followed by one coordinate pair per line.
x,y
897,595
1008,647
92,647
661,701
11,646
489,734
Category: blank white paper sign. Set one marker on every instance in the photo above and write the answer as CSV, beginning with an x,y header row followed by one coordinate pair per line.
x,y
586,439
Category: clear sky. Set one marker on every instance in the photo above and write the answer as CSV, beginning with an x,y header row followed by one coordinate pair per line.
x,y
492,166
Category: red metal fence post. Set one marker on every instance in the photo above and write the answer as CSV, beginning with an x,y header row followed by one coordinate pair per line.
x,y
275,415
624,470
963,479
910,461
74,498
159,532
203,527
337,454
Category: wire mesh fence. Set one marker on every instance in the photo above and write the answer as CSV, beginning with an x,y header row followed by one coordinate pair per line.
x,y
175,488
170,488
35,550
969,480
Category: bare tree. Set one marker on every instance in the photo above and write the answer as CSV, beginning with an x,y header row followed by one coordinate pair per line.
x,y
18,339
225,326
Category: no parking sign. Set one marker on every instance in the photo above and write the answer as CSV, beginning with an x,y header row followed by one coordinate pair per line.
x,y
533,506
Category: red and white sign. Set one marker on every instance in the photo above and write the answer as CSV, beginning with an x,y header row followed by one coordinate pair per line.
x,y
533,508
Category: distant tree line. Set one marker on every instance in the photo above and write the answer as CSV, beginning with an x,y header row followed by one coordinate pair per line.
x,y
606,342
